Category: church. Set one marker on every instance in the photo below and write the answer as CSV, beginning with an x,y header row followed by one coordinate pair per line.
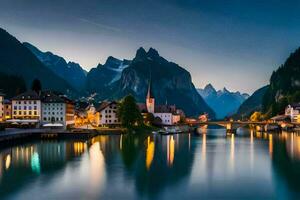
x,y
168,114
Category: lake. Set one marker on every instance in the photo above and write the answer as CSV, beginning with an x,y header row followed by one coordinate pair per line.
x,y
208,165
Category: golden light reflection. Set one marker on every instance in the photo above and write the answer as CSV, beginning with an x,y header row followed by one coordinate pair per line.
x,y
22,155
121,142
204,146
271,145
97,167
251,149
203,129
170,150
7,161
297,145
79,148
232,149
149,152
258,135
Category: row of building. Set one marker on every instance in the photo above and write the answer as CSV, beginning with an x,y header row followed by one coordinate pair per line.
x,y
105,114
45,109
292,111
51,109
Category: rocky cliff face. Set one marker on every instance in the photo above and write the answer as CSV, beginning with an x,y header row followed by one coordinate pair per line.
x,y
223,102
102,78
170,83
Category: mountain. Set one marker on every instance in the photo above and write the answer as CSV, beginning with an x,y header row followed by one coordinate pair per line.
x,y
11,85
252,104
284,86
223,102
170,83
71,72
17,60
103,77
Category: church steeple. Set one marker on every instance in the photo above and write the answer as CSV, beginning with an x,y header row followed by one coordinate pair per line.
x,y
149,93
150,101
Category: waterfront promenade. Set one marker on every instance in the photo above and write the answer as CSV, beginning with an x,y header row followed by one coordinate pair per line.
x,y
11,134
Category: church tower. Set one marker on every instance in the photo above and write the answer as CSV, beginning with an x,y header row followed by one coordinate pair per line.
x,y
150,101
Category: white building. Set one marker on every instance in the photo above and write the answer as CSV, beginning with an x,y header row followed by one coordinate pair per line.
x,y
293,112
2,118
27,106
108,114
57,110
166,113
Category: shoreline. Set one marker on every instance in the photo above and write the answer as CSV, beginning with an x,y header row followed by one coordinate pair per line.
x,y
15,135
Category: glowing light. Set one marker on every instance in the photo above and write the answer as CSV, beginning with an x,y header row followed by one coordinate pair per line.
x,y
232,150
204,145
97,167
35,163
79,148
149,152
7,161
171,150
271,144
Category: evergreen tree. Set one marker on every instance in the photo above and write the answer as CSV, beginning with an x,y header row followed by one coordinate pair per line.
x,y
128,112
11,85
36,86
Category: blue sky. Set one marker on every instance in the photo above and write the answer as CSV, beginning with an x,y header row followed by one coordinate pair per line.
x,y
236,44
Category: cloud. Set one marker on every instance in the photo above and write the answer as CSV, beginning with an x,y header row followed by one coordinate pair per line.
x,y
99,25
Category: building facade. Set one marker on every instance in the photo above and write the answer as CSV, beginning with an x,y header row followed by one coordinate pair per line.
x,y
7,110
26,106
293,112
57,110
108,114
2,116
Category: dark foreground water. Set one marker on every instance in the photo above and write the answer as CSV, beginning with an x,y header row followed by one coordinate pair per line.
x,y
187,166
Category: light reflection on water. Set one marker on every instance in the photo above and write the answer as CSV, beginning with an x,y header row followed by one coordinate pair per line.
x,y
212,165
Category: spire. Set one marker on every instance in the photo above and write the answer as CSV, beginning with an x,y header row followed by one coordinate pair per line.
x,y
149,93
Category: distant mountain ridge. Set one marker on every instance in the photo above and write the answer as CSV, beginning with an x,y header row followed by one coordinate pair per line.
x,y
17,60
71,72
223,102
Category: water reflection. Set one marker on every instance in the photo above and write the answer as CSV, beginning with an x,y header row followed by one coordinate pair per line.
x,y
149,152
170,150
210,165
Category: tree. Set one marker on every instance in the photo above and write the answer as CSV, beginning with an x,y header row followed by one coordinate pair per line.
x,y
149,118
256,116
36,85
128,112
157,121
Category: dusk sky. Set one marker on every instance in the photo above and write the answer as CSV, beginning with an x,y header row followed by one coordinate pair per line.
x,y
236,44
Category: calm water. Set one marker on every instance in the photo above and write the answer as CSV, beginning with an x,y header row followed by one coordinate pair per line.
x,y
187,166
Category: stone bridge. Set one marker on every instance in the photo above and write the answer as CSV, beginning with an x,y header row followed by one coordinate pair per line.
x,y
232,126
